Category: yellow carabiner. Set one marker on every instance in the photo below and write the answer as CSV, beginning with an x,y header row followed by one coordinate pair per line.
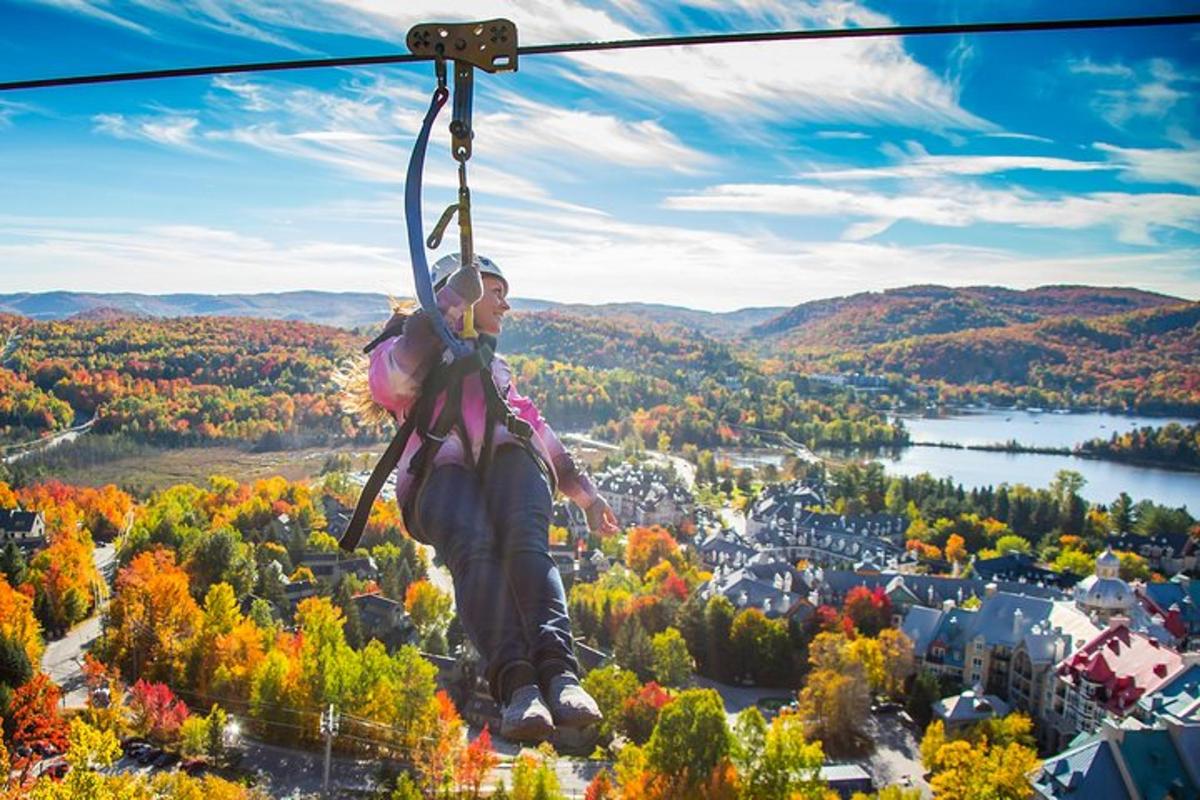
x,y
468,331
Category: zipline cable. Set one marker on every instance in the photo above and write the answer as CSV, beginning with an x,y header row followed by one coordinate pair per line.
x,y
631,44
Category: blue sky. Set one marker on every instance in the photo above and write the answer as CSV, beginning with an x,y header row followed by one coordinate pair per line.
x,y
717,178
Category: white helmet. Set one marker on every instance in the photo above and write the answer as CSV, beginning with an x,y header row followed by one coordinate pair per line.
x,y
446,266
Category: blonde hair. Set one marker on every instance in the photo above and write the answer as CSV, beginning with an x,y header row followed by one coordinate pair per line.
x,y
351,378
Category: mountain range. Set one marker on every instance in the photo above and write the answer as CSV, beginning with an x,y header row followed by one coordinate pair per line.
x,y
818,326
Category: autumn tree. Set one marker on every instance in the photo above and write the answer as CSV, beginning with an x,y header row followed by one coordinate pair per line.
x,y
869,610
759,647
611,687
476,761
690,739
157,712
64,578
429,607
640,713
633,648
718,623
33,720
994,759
646,547
898,660
152,618
672,662
776,762
956,549
835,702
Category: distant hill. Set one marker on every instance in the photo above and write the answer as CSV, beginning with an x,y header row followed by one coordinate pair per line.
x,y
345,309
877,317
1147,360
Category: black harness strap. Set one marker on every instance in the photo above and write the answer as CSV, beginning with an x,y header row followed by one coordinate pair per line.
x,y
383,468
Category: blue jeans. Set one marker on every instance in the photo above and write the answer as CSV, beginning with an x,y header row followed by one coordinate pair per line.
x,y
492,535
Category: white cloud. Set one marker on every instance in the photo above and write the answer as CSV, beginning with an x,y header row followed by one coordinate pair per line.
x,y
179,258
10,109
564,256
860,81
96,9
863,81
1151,89
1133,216
530,128
852,135
927,166
1157,165
169,129
366,130
1029,137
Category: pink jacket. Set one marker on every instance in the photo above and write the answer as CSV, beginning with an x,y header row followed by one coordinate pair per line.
x,y
399,366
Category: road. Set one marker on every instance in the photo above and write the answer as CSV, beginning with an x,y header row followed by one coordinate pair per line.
x,y
25,448
63,658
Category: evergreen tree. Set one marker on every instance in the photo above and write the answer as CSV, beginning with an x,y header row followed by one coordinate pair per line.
x,y
633,649
1121,512
12,564
343,597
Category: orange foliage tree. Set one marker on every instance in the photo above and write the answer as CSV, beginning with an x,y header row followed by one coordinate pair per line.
x,y
18,623
647,547
152,618
64,580
34,719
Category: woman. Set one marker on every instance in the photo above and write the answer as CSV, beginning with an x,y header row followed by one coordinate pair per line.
x,y
488,513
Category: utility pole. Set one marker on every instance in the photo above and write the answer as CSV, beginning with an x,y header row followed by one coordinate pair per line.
x,y
329,727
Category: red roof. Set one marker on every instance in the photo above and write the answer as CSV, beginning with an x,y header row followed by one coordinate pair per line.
x,y
1122,665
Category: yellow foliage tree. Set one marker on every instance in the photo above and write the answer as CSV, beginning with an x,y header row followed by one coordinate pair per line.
x,y
18,623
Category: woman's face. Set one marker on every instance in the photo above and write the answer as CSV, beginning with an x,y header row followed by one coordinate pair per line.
x,y
492,306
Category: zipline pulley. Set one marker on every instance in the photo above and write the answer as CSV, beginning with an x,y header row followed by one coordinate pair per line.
x,y
491,46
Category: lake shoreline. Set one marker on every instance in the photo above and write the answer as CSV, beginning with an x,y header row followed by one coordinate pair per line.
x,y
1014,447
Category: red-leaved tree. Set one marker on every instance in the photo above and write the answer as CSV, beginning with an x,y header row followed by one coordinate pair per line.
x,y
476,761
157,712
35,722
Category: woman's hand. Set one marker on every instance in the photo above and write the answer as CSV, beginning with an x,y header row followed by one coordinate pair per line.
x,y
600,517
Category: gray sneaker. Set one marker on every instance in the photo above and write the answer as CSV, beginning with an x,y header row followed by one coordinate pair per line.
x,y
571,706
525,717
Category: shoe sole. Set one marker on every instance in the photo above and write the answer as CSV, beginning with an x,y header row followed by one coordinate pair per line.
x,y
534,730
577,720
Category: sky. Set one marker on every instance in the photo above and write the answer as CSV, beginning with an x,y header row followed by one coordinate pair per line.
x,y
714,177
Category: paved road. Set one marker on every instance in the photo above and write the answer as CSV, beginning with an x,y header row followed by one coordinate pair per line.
x,y
739,698
897,754
63,658
19,451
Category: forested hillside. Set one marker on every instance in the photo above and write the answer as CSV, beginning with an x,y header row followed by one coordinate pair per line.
x,y
175,381
873,317
1145,360
203,379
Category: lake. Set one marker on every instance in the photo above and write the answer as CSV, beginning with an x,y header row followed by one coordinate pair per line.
x,y
1027,427
1105,479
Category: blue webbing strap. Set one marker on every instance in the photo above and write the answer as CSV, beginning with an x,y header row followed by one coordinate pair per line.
x,y
416,234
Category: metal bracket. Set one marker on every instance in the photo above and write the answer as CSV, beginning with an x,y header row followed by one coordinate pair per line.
x,y
490,45
460,126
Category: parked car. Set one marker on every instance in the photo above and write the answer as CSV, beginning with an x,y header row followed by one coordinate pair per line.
x,y
193,766
887,707
773,705
166,760
148,755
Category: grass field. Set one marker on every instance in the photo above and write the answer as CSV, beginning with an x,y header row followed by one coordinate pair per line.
x,y
159,469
